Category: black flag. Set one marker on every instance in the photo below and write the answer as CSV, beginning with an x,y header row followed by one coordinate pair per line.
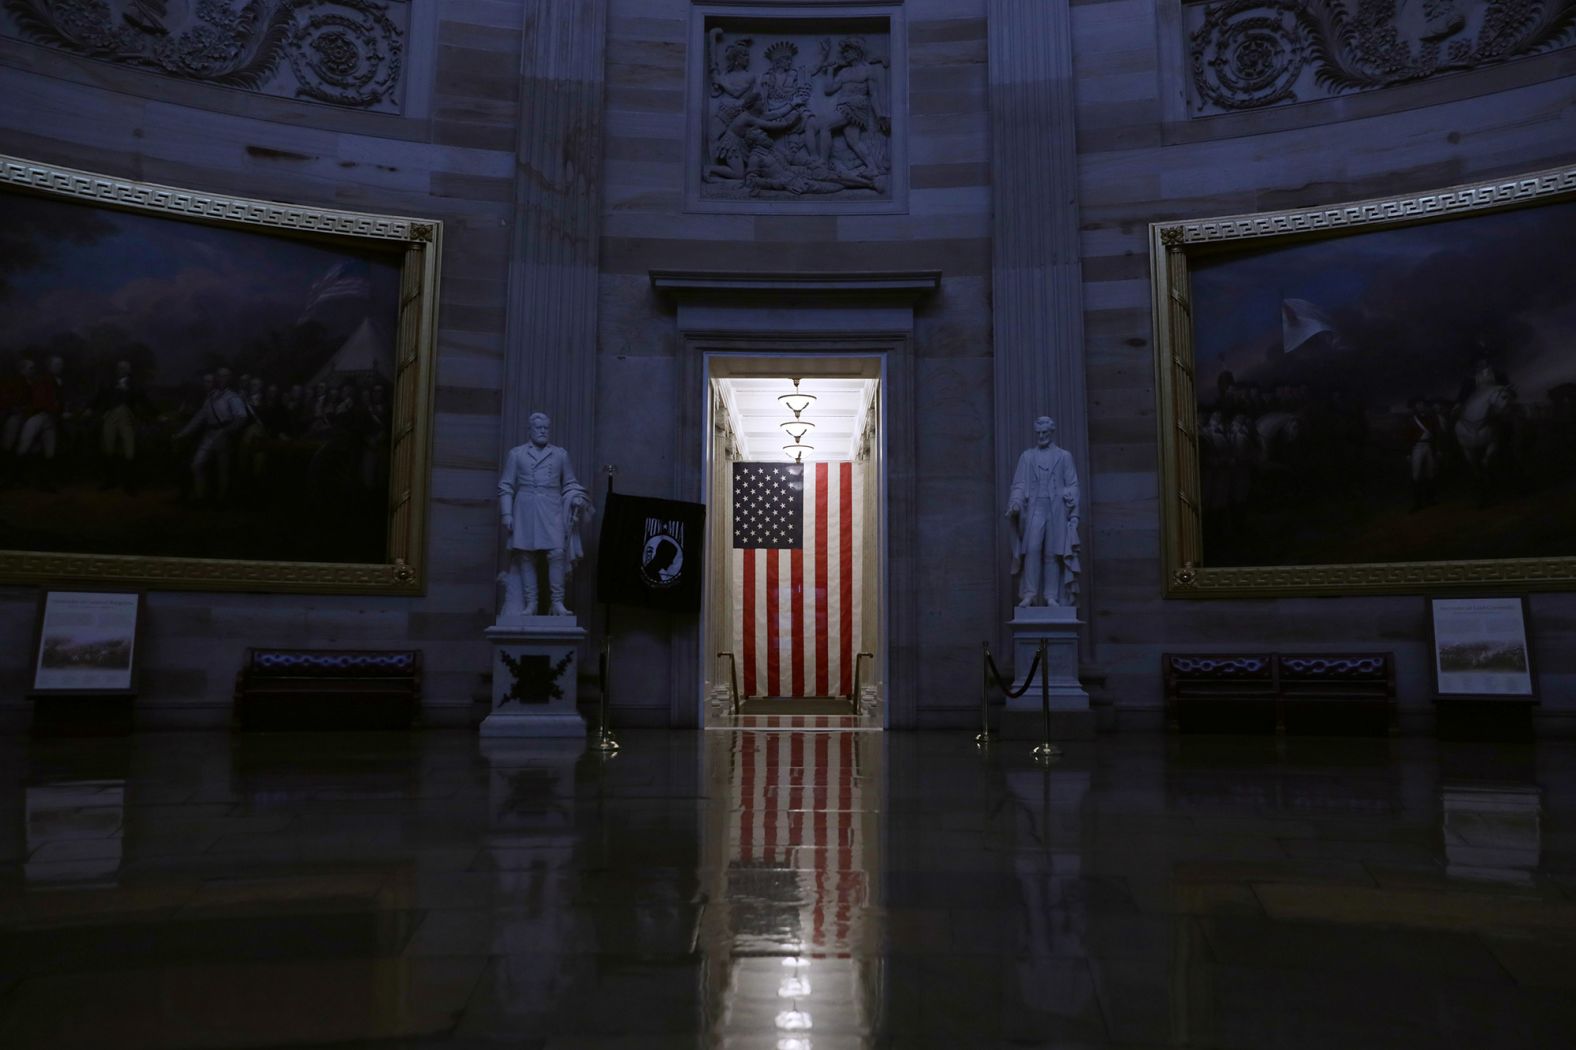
x,y
651,553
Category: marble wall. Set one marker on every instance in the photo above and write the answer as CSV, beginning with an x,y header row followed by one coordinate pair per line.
x,y
946,227
449,155
460,148
1142,159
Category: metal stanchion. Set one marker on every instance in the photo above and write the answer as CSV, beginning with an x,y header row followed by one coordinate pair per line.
x,y
604,740
733,680
983,737
1046,751
853,698
990,673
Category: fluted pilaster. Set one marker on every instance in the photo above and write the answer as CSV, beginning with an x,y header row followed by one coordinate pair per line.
x,y
1036,279
552,324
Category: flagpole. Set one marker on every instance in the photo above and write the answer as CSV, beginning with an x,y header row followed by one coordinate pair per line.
x,y
604,740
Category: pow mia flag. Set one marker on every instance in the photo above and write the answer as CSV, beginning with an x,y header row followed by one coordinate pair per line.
x,y
651,553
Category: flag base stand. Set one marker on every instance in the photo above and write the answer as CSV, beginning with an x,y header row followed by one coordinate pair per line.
x,y
535,668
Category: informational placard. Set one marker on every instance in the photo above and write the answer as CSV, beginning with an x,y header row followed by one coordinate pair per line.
x,y
87,642
1480,647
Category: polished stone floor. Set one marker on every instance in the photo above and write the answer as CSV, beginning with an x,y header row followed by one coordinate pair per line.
x,y
792,890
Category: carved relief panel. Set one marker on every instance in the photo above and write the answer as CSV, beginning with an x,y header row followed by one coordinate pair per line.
x,y
1252,54
794,113
342,52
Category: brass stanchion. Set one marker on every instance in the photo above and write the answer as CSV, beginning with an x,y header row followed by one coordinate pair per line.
x,y
1046,751
604,740
733,681
983,737
853,698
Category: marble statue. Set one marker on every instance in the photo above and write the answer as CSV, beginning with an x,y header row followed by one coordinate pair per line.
x,y
1043,506
542,506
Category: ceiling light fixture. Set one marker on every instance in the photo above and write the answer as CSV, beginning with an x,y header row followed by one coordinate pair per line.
x,y
797,428
797,401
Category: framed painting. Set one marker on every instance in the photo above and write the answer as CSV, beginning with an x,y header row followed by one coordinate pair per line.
x,y
87,643
1377,397
1479,649
209,392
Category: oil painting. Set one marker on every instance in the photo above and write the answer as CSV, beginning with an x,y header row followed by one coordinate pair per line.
x,y
1390,394
175,391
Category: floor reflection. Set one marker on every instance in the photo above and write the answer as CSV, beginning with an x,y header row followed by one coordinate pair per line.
x,y
785,887
798,932
1492,832
74,832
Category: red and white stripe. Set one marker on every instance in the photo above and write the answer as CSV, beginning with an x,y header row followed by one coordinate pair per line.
x,y
801,808
799,614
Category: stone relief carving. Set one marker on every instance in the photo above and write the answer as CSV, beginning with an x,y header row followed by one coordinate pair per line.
x,y
795,115
1249,54
344,52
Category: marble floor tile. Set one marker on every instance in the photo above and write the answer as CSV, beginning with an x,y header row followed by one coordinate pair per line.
x,y
785,890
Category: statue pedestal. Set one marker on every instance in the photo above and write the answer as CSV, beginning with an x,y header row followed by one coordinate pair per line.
x,y
1071,718
536,662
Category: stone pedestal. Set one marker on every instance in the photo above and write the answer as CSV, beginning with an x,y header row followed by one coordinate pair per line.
x,y
1071,717
536,662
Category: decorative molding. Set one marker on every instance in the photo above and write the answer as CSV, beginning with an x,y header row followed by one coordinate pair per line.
x,y
1371,578
1253,54
189,204
1459,200
912,285
341,52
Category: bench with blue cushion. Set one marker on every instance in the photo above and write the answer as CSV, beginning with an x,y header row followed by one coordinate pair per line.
x,y
328,689
1311,682
1252,692
1213,680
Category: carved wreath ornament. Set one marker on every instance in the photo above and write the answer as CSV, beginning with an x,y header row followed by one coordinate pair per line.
x,y
1248,54
346,52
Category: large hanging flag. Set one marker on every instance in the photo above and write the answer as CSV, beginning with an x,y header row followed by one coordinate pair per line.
x,y
797,555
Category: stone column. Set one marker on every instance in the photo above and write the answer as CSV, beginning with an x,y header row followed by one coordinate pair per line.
x,y
552,324
1036,277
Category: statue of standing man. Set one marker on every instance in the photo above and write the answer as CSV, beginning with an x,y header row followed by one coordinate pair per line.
x,y
542,506
1043,506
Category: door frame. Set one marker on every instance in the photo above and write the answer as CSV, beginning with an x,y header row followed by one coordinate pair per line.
x,y
802,315
711,358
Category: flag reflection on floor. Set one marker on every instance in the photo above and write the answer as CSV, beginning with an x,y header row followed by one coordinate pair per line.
x,y
800,855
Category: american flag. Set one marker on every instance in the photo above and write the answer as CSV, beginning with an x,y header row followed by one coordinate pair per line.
x,y
343,280
797,557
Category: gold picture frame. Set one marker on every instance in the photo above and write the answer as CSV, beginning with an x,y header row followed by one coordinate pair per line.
x,y
1397,276
335,314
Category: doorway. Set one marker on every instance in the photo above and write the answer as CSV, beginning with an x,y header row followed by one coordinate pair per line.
x,y
795,484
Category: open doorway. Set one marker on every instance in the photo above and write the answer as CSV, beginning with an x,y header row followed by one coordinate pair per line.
x,y
795,485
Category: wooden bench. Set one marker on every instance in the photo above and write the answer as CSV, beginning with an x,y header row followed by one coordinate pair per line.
x,y
1312,684
1211,681
328,689
1255,692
